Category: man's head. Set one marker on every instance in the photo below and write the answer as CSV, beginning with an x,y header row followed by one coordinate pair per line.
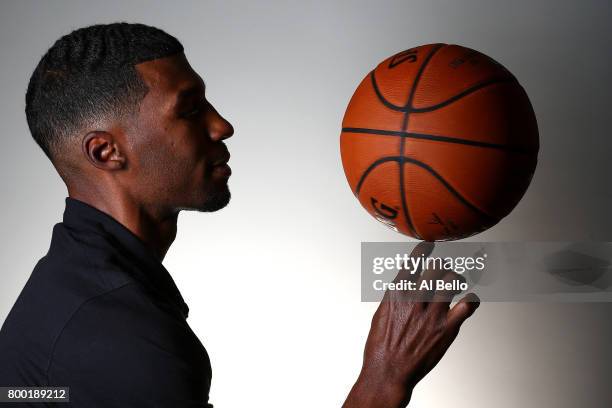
x,y
119,110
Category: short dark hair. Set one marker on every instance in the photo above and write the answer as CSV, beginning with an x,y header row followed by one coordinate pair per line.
x,y
89,74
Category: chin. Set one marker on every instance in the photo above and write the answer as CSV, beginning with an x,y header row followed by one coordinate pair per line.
x,y
215,201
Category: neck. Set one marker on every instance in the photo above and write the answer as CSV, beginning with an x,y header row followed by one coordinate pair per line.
x,y
155,227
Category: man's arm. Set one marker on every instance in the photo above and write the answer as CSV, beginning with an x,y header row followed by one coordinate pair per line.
x,y
408,337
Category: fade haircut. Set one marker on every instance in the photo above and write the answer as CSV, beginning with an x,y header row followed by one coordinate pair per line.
x,y
89,74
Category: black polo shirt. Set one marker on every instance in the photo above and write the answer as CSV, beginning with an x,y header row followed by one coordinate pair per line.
x,y
101,315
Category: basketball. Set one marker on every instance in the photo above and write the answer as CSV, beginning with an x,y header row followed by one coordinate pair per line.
x,y
439,142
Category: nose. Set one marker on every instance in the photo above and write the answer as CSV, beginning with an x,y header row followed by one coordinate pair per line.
x,y
219,128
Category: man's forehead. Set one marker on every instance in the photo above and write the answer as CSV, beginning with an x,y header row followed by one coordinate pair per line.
x,y
168,75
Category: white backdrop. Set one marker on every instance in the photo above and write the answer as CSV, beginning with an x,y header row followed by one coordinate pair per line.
x,y
272,281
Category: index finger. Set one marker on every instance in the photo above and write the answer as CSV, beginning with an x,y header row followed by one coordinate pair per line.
x,y
422,249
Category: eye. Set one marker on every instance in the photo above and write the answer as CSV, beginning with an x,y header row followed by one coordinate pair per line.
x,y
197,109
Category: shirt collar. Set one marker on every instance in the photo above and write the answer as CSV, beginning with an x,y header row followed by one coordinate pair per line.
x,y
149,271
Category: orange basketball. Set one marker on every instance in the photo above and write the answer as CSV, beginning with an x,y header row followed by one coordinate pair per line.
x,y
439,142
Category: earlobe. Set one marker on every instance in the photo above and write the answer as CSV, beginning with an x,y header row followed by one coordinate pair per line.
x,y
102,150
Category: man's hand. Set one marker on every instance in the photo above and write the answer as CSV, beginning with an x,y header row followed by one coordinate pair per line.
x,y
409,335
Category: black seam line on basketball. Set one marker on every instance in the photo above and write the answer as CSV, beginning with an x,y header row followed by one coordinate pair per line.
x,y
418,76
380,95
461,94
372,167
446,184
403,139
437,138
442,104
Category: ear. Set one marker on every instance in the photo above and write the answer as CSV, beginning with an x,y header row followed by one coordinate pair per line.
x,y
102,150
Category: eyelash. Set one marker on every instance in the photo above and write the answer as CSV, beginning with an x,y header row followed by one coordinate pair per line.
x,y
203,102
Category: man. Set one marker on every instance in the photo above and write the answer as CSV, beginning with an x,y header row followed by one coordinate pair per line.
x,y
124,119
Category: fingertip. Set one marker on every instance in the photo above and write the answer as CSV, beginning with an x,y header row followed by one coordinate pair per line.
x,y
471,302
424,248
473,299
463,309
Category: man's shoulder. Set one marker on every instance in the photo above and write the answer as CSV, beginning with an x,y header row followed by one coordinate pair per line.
x,y
36,322
83,308
122,332
58,287
116,313
121,344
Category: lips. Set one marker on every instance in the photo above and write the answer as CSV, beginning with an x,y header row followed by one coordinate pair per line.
x,y
219,166
222,170
221,160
